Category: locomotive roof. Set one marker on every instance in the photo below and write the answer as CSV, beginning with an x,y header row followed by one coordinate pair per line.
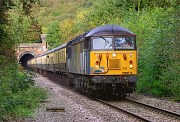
x,y
105,30
109,29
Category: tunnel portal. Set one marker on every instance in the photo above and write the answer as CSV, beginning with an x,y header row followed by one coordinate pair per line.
x,y
24,59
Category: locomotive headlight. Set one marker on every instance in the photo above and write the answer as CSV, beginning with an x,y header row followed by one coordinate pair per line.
x,y
97,63
131,64
114,55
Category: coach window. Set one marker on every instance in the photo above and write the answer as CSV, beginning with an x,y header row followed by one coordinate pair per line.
x,y
102,43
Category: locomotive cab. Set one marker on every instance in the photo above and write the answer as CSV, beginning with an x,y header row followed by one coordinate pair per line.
x,y
113,55
113,60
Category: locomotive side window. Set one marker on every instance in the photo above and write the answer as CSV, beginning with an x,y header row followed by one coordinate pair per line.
x,y
124,43
100,43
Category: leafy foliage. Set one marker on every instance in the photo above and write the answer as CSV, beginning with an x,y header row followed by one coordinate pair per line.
x,y
53,37
5,43
17,96
23,27
156,24
158,46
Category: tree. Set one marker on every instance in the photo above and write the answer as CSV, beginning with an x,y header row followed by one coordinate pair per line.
x,y
53,36
5,43
24,28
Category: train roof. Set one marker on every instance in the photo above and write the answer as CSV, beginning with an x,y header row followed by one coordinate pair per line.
x,y
77,39
102,30
53,50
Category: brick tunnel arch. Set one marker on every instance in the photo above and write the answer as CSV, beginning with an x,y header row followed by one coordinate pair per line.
x,y
24,57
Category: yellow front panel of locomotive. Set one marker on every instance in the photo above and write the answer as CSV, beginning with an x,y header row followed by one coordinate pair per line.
x,y
113,62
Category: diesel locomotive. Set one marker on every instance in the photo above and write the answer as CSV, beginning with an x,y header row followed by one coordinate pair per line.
x,y
101,61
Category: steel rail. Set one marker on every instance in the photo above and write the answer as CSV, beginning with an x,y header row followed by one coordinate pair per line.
x,y
122,110
155,108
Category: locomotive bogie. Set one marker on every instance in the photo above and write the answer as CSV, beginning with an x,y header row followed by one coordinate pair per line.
x,y
115,81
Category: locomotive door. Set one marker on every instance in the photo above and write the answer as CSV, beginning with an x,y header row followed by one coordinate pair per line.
x,y
85,61
86,56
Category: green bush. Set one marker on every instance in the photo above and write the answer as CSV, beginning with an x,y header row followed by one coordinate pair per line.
x,y
171,79
159,89
21,104
158,47
16,81
18,95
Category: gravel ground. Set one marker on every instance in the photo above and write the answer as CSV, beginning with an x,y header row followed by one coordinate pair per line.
x,y
79,108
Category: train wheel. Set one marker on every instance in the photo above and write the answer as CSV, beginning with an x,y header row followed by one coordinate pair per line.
x,y
123,96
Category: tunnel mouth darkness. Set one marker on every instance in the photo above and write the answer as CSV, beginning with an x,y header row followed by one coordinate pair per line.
x,y
24,59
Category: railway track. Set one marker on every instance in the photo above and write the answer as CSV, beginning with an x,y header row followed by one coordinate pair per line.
x,y
148,114
170,113
140,115
122,110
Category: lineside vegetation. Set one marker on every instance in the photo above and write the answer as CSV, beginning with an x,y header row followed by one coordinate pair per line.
x,y
155,22
19,97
